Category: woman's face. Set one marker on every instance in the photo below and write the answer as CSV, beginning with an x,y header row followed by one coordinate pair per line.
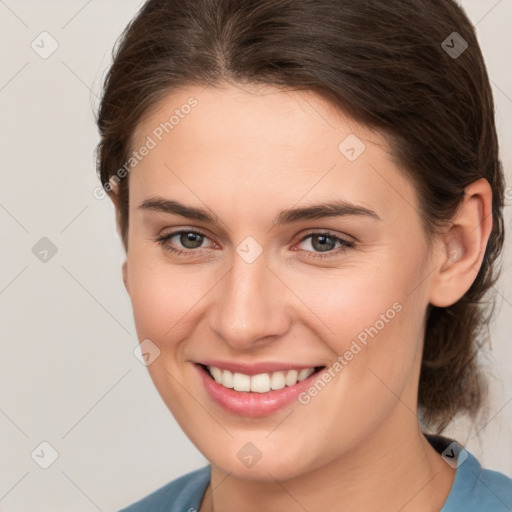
x,y
271,281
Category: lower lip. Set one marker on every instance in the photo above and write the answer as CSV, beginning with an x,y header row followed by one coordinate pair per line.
x,y
253,404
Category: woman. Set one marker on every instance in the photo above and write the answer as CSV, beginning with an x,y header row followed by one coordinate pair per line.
x,y
310,198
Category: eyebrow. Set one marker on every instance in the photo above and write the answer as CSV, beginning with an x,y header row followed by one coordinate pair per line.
x,y
336,208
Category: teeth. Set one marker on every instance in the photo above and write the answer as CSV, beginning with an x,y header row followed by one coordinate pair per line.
x,y
277,381
227,379
305,373
216,374
241,382
261,383
291,377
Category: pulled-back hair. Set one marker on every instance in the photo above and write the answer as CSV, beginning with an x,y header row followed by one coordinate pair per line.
x,y
394,66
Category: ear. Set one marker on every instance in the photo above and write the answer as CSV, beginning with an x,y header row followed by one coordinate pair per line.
x,y
124,271
462,246
115,200
114,197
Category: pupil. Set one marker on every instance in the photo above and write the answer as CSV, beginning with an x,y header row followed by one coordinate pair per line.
x,y
323,245
191,240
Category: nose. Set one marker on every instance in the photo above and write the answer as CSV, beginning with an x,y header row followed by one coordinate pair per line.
x,y
251,305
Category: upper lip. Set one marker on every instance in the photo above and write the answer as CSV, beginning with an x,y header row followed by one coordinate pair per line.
x,y
256,368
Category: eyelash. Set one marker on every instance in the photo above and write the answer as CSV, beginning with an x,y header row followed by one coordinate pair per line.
x,y
345,244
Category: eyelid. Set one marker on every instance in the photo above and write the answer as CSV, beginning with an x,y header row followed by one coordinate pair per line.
x,y
312,231
164,237
185,229
347,242
328,232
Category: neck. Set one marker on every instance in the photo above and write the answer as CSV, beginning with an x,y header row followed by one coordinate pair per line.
x,y
396,469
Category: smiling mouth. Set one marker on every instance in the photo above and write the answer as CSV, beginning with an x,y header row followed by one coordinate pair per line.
x,y
260,383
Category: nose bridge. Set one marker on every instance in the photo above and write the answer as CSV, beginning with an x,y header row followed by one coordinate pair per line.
x,y
250,302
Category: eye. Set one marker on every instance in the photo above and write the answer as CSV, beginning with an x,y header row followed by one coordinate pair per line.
x,y
189,240
326,244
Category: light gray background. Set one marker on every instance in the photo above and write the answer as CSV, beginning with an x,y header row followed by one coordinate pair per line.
x,y
68,374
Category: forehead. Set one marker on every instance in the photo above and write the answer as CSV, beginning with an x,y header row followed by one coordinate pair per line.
x,y
262,143
259,111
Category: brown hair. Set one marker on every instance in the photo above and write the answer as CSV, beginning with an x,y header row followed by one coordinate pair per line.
x,y
389,66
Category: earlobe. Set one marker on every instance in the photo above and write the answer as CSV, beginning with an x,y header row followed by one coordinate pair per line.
x,y
463,245
124,270
115,200
113,195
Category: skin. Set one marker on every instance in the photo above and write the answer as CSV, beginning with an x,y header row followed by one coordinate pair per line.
x,y
245,154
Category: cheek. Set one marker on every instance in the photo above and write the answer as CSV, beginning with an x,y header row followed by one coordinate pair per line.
x,y
351,301
371,316
162,295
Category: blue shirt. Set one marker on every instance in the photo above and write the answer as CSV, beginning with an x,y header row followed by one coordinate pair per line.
x,y
474,489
